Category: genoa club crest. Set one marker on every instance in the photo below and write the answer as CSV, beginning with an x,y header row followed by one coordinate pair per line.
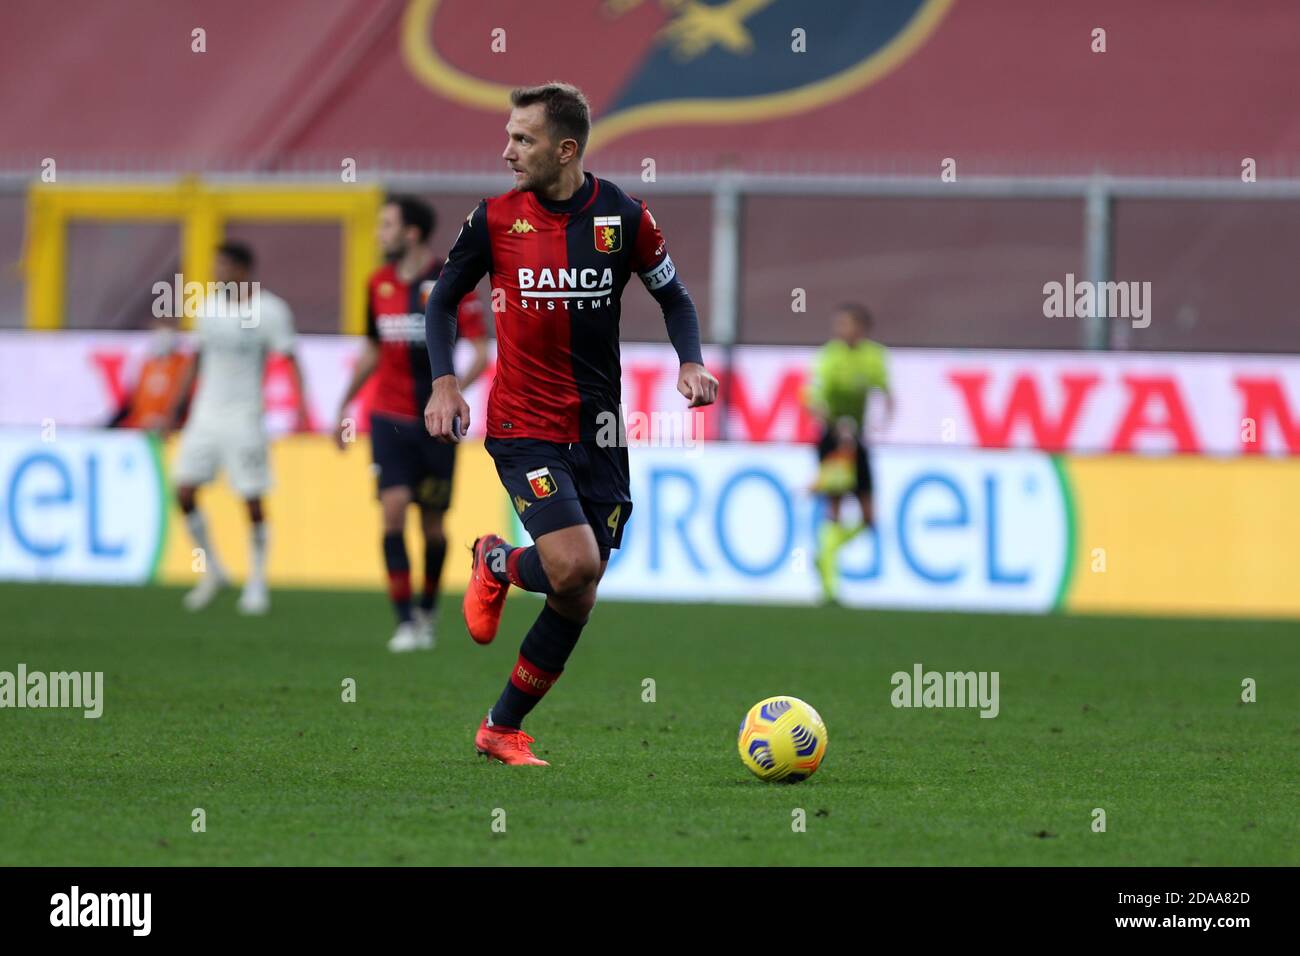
x,y
542,483
705,62
609,233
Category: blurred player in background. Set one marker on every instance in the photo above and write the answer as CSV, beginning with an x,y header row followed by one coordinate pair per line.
x,y
560,248
234,333
845,371
412,466
157,389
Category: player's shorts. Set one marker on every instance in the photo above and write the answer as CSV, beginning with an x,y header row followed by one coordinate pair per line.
x,y
406,454
240,448
554,485
830,441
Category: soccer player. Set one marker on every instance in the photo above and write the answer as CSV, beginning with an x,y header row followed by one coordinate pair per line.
x,y
412,466
559,247
845,371
225,428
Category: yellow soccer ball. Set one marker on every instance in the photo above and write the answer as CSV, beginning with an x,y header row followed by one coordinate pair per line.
x,y
782,738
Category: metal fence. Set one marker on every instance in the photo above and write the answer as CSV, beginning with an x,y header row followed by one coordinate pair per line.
x,y
956,264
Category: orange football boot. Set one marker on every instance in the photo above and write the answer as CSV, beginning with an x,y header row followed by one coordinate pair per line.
x,y
507,744
485,596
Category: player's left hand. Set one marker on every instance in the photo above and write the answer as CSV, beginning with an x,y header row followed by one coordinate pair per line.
x,y
697,385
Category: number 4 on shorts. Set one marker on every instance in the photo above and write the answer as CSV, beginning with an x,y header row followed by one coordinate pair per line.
x,y
612,522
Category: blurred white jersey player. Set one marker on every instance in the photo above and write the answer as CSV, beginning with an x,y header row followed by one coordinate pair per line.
x,y
235,332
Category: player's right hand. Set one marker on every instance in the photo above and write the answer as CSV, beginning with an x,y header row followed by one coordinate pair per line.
x,y
446,405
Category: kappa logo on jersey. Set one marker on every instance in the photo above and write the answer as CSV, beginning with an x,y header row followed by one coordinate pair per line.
x,y
521,504
609,233
542,483
521,225
698,63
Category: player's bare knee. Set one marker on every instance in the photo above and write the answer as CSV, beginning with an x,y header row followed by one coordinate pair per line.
x,y
574,573
571,580
433,532
394,511
868,513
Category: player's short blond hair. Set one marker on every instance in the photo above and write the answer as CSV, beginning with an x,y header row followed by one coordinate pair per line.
x,y
568,115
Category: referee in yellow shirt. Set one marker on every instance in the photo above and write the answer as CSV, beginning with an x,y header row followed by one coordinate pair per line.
x,y
845,372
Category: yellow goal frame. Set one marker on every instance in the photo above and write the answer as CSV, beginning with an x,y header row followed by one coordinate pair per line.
x,y
202,209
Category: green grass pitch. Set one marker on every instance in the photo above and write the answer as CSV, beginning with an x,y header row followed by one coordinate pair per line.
x,y
245,719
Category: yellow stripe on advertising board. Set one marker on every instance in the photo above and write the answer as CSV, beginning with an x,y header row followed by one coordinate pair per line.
x,y
324,519
1185,536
